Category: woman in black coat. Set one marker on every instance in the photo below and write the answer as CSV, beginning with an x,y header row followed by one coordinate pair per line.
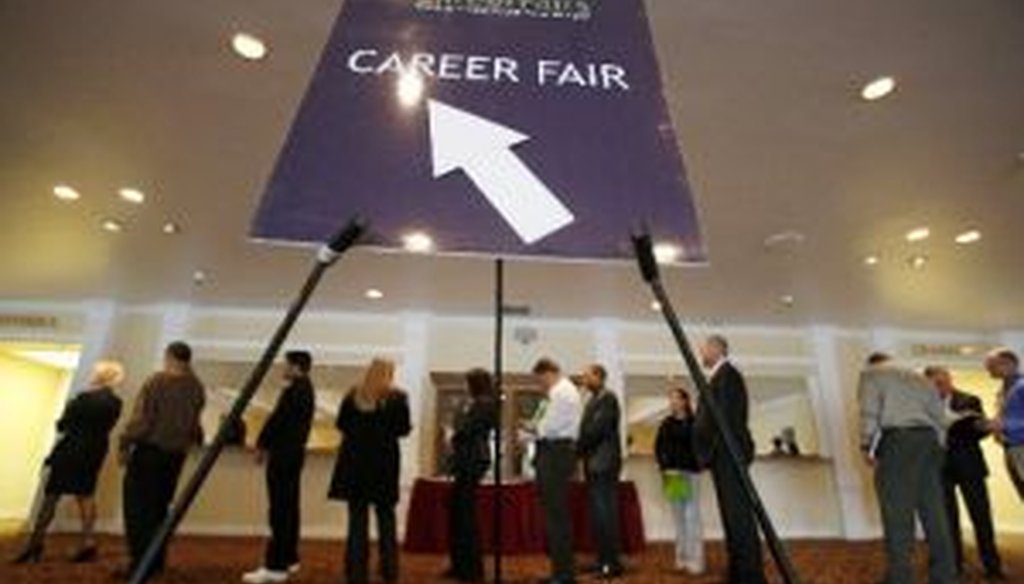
x,y
77,458
372,419
470,460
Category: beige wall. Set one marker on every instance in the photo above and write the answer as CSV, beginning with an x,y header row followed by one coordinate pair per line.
x,y
830,497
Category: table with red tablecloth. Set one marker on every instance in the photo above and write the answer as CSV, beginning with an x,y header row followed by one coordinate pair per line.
x,y
522,525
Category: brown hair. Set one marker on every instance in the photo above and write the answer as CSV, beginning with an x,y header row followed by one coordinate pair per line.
x,y
378,381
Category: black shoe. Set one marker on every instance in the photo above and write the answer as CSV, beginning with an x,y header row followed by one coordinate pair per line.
x,y
611,571
554,580
995,576
86,555
31,555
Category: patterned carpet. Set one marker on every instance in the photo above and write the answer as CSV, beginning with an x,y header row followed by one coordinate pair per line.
x,y
216,560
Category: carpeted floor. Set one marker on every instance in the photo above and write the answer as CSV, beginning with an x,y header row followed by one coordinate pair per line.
x,y
216,560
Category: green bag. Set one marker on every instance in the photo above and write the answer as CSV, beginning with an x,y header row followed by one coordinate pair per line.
x,y
677,486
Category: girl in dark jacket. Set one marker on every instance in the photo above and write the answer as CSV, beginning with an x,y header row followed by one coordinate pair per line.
x,y
680,469
77,458
372,419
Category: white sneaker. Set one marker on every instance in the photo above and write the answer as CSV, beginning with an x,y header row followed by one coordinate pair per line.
x,y
265,576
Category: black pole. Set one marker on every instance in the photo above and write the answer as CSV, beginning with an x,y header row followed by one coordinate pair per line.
x,y
326,256
499,390
644,250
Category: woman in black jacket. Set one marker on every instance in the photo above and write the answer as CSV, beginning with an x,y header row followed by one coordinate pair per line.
x,y
77,458
677,459
471,457
372,419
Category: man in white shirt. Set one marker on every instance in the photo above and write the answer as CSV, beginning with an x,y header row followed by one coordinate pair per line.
x,y
557,430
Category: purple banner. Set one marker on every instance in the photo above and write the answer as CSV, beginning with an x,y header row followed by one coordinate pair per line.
x,y
499,127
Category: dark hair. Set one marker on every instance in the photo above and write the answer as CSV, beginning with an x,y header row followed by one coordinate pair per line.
x,y
546,365
180,352
721,341
878,357
301,359
681,392
1008,355
480,383
933,371
601,373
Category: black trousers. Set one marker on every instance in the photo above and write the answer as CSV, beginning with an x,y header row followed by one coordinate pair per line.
x,y
746,563
603,492
975,494
284,481
556,461
149,484
357,551
464,532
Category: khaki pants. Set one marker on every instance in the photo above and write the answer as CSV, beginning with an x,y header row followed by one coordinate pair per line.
x,y
1015,464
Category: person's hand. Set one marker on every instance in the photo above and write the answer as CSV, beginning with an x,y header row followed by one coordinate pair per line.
x,y
261,456
870,460
122,457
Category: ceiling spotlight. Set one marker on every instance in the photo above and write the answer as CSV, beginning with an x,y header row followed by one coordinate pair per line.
x,y
967,237
418,242
878,88
112,225
410,89
66,193
667,253
784,238
655,306
871,260
199,277
248,46
918,234
171,228
787,300
374,294
918,262
131,195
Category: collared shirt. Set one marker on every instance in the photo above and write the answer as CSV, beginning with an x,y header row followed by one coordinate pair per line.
x,y
892,397
718,365
1012,411
562,412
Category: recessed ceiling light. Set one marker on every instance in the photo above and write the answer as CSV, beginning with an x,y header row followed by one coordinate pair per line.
x,y
66,193
918,234
971,236
418,242
248,46
374,294
784,238
199,277
655,306
871,260
918,262
878,88
132,195
787,300
667,253
112,225
171,228
410,89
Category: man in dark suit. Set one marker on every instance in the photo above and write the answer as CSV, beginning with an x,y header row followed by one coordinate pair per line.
x,y
600,447
282,445
965,469
729,390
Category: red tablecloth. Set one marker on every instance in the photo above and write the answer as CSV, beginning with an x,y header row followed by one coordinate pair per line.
x,y
522,526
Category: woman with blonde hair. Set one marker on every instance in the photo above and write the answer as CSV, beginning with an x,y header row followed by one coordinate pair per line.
x,y
77,458
373,417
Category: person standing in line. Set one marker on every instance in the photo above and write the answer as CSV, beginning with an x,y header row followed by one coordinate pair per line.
x,y
677,460
1004,365
903,427
163,427
600,447
471,458
76,460
729,390
557,428
282,446
965,470
373,417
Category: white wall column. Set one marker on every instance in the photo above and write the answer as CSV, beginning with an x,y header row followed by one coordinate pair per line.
x,y
99,320
413,377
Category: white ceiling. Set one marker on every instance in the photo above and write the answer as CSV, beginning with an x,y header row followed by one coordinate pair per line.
x,y
764,95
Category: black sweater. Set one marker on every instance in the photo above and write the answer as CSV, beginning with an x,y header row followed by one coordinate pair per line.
x,y
674,445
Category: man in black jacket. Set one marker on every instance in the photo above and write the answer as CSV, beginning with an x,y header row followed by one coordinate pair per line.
x,y
729,391
965,469
600,447
282,445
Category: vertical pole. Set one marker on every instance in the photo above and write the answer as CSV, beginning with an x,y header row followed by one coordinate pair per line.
x,y
499,390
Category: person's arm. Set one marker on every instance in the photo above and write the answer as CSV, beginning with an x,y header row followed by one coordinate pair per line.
x,y
1013,416
143,415
596,424
198,435
401,418
69,417
661,446
279,417
869,398
345,415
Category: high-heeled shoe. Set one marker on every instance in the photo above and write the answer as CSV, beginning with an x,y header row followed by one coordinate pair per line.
x,y
86,555
31,555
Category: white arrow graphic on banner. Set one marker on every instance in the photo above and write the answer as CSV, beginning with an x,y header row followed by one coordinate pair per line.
x,y
483,150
